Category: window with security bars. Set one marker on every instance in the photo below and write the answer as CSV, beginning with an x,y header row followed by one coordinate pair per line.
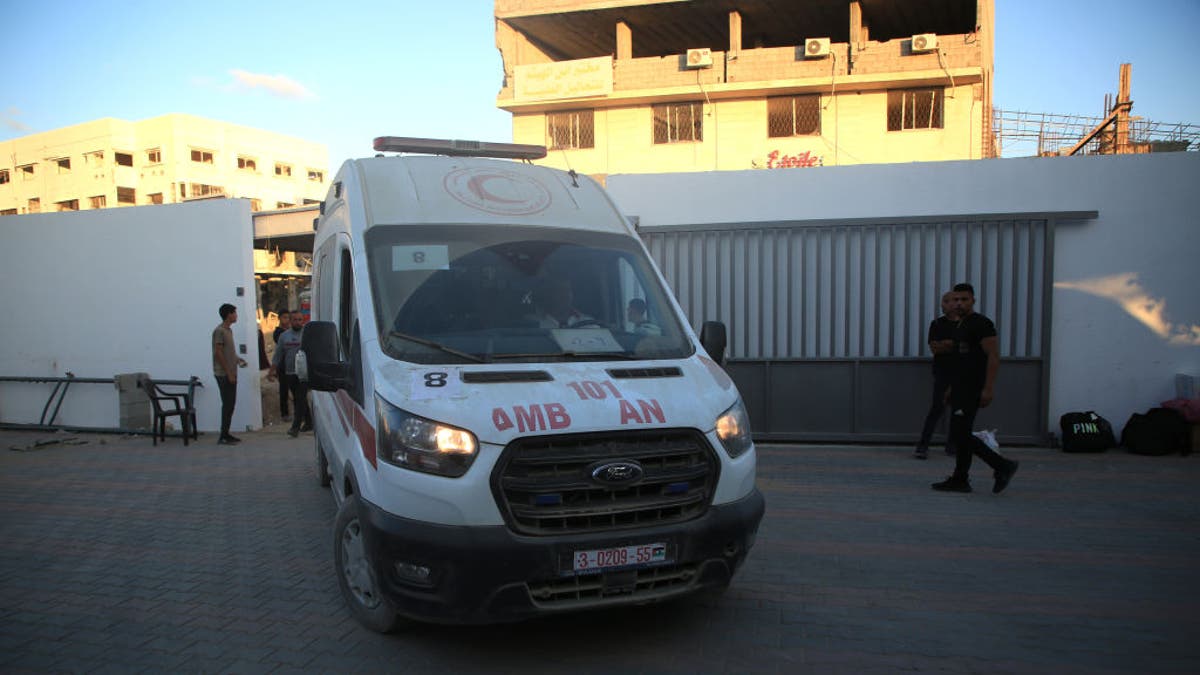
x,y
794,115
571,130
678,122
915,109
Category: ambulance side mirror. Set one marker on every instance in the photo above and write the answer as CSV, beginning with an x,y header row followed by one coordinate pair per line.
x,y
712,337
319,362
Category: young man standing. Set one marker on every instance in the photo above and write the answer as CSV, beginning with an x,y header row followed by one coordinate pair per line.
x,y
285,323
283,366
225,365
972,381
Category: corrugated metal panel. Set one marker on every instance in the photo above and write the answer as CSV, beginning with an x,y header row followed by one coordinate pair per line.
x,y
855,291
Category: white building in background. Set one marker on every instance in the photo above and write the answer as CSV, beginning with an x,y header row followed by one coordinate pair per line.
x,y
162,160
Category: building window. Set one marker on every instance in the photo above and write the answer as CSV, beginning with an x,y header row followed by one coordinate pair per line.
x,y
27,172
123,158
316,176
571,130
154,156
126,195
3,176
35,205
283,170
256,205
247,164
202,190
154,197
8,212
94,160
98,202
64,165
202,156
283,205
794,115
915,109
678,122
68,205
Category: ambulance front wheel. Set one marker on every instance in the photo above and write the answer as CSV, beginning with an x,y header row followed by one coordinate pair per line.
x,y
356,576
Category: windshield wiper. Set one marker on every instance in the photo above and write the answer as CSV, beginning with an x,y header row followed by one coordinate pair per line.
x,y
436,345
594,356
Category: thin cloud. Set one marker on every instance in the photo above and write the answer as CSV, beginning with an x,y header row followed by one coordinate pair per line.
x,y
1129,294
275,85
9,120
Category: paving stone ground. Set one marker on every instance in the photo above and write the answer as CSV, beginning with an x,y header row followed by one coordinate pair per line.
x,y
116,556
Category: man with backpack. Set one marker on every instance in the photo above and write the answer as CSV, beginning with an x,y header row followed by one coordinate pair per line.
x,y
972,380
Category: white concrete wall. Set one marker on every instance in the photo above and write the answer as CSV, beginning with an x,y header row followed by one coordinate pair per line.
x,y
1126,305
112,291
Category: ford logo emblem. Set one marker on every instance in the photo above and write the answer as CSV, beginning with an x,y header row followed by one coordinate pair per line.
x,y
618,473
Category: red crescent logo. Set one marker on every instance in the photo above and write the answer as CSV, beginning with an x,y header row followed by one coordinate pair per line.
x,y
497,191
476,185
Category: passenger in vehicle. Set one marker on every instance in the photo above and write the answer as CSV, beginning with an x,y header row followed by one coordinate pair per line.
x,y
638,323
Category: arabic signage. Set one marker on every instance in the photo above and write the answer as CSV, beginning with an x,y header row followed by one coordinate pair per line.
x,y
564,79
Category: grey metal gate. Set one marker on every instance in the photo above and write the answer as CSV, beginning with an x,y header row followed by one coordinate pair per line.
x,y
828,320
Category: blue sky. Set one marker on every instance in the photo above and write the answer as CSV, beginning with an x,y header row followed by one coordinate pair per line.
x,y
342,73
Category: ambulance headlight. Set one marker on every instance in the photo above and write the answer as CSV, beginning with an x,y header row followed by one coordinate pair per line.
x,y
415,443
733,428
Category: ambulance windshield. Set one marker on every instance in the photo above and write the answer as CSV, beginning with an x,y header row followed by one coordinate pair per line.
x,y
466,293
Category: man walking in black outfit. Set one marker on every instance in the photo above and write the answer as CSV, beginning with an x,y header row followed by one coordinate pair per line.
x,y
977,360
941,343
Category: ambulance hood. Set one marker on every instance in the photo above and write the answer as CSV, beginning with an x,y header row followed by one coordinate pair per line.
x,y
499,403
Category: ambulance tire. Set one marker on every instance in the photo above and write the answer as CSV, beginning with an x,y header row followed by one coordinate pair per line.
x,y
323,476
356,576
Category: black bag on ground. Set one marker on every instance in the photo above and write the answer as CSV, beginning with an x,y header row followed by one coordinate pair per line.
x,y
1086,432
1161,431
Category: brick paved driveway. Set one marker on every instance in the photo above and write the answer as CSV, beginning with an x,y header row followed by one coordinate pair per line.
x,y
117,556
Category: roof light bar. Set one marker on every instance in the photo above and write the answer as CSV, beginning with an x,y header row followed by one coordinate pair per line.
x,y
459,148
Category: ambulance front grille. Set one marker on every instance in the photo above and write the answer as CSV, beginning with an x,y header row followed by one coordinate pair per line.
x,y
544,485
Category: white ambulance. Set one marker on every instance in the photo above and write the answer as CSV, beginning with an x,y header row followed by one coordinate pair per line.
x,y
513,413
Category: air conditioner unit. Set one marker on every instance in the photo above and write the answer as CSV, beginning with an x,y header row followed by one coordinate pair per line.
x,y
699,58
816,47
924,42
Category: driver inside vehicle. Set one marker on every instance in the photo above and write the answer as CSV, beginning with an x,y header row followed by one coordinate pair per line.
x,y
554,300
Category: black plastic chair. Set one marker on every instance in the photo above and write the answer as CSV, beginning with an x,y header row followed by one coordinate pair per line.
x,y
169,404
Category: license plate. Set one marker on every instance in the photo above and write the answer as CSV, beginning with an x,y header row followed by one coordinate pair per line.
x,y
619,556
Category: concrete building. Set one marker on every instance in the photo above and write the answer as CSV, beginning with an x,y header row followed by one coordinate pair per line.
x,y
625,86
162,160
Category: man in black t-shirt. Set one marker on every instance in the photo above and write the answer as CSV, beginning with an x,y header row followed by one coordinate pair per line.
x,y
941,343
972,380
